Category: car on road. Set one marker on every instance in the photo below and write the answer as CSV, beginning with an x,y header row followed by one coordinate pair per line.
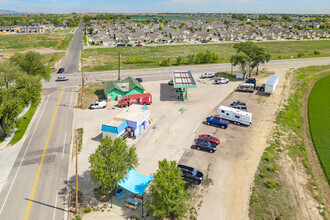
x,y
60,70
239,105
204,41
102,103
207,75
209,138
221,81
138,45
191,175
62,78
201,144
129,45
216,121
171,82
139,80
121,45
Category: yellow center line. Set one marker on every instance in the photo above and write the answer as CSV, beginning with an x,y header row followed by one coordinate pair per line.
x,y
42,159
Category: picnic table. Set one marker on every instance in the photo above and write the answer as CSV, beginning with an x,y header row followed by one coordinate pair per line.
x,y
131,203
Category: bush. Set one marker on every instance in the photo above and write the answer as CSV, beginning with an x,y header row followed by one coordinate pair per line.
x,y
88,210
136,59
262,175
270,183
301,54
317,52
165,62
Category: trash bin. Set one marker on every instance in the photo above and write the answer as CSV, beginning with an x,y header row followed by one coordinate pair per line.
x,y
119,192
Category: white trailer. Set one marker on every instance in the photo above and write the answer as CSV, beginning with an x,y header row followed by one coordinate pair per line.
x,y
235,115
271,84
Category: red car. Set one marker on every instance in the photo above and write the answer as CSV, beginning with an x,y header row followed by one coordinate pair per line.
x,y
138,45
209,138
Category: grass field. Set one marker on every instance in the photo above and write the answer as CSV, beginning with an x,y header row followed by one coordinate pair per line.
x,y
270,198
107,58
319,121
23,123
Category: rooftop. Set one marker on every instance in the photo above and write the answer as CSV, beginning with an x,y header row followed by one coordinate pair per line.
x,y
133,113
183,79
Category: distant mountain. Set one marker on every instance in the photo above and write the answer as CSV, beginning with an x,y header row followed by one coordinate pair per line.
x,y
3,12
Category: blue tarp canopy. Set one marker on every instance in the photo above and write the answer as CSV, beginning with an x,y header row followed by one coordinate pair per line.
x,y
135,182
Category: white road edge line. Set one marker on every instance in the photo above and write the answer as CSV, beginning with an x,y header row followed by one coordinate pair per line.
x,y
12,183
55,205
64,145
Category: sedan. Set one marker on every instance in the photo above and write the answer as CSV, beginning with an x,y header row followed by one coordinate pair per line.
x,y
209,138
138,45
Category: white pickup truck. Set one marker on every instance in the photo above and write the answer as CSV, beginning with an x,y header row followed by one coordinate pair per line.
x,y
207,75
98,104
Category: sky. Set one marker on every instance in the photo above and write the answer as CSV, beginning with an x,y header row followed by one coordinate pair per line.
x,y
173,6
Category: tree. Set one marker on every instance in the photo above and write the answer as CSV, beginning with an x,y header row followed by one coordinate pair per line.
x,y
168,195
17,90
241,60
111,161
31,63
179,61
255,56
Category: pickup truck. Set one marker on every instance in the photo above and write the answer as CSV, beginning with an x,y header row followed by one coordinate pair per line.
x,y
207,75
216,121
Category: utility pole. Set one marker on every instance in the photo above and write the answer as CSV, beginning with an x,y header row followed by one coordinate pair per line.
x,y
118,66
76,174
231,68
82,81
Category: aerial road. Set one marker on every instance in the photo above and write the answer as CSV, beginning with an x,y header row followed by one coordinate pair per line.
x,y
36,184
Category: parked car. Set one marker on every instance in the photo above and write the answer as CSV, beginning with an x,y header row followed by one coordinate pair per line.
x,y
138,45
216,121
171,82
98,104
239,105
139,80
209,138
60,70
207,75
129,45
121,45
62,78
221,81
204,41
202,144
191,175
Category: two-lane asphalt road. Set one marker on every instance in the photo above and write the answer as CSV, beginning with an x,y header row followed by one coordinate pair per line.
x,y
37,182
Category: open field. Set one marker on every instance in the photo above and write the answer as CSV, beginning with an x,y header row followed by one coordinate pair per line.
x,y
319,122
107,58
25,42
284,175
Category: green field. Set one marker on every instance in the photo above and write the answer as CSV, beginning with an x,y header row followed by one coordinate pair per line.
x,y
107,58
21,42
319,121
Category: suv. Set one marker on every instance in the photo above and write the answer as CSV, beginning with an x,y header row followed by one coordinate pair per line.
x,y
221,81
190,174
62,78
207,75
60,70
238,105
201,144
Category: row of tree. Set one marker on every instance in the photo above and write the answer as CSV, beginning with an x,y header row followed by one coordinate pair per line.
x,y
168,196
19,85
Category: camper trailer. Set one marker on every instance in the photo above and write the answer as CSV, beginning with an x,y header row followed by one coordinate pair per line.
x,y
235,115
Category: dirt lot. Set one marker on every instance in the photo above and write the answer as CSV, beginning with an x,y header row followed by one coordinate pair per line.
x,y
231,168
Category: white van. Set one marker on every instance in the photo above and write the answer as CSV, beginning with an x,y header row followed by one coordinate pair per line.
x,y
235,115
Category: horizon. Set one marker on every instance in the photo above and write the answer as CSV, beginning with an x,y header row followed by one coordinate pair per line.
x,y
168,6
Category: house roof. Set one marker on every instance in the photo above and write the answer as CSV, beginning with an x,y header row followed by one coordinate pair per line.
x,y
115,126
123,85
133,113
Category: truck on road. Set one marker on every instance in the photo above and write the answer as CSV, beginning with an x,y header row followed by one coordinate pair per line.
x,y
216,121
141,99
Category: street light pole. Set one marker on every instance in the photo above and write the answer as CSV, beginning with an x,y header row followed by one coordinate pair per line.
x,y
76,174
118,66
82,81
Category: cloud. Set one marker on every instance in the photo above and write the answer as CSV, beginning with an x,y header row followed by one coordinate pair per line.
x,y
194,2
8,2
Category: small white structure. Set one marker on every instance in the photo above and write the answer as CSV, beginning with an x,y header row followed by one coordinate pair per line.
x,y
235,115
133,120
239,75
271,84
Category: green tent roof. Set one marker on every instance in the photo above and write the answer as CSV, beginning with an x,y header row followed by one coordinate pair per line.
x,y
111,85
